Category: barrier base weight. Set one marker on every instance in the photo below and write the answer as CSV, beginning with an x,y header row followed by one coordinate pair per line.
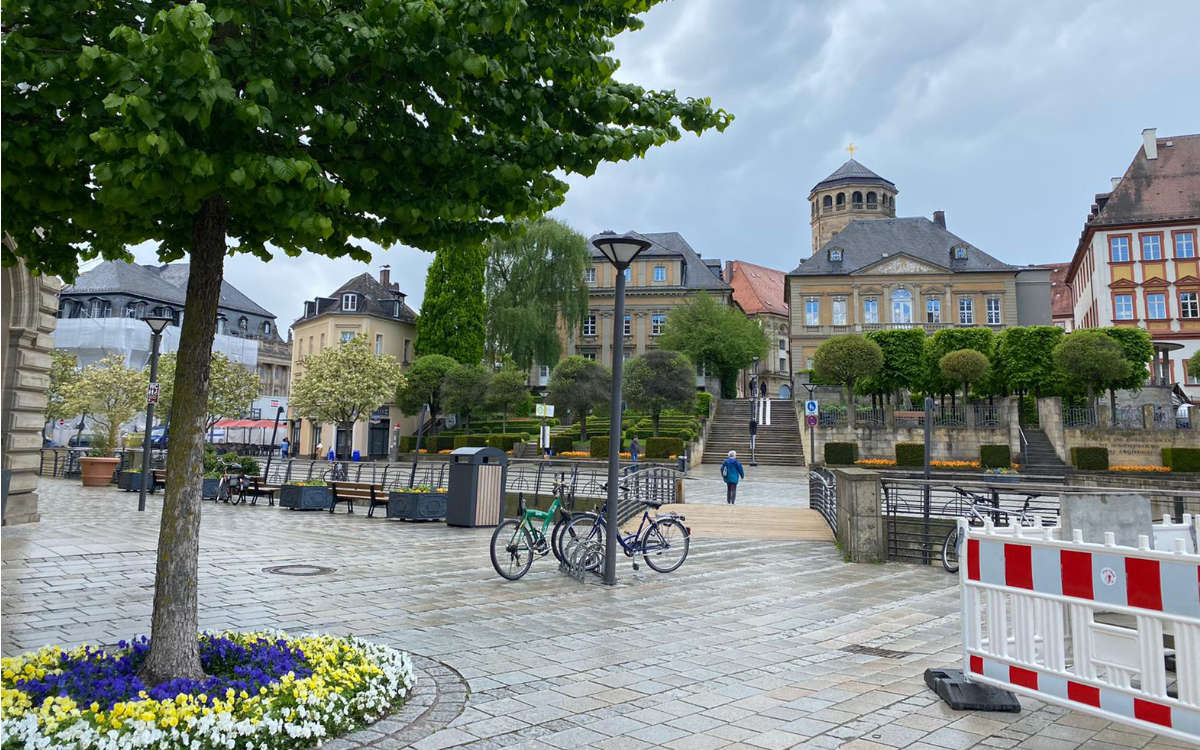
x,y
963,695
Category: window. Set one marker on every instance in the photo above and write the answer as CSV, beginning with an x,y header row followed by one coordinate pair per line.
x,y
1118,248
379,343
812,312
1189,305
1151,247
966,311
1185,244
628,274
628,328
407,349
783,364
658,321
349,302
835,255
871,310
133,310
827,203
589,325
266,328
660,273
100,309
1123,307
346,336
960,253
322,342
589,275
543,371
902,311
933,310
839,311
396,308
590,355
1156,306
993,311
243,324
783,345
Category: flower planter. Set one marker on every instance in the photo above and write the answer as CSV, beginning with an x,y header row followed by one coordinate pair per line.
x,y
209,489
97,471
129,481
1006,478
304,497
416,506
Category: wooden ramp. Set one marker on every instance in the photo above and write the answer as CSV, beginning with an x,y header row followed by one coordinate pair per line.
x,y
746,522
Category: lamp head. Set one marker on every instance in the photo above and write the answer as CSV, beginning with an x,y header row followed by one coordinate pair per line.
x,y
620,249
157,323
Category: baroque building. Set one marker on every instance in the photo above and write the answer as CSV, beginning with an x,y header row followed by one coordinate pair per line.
x,y
759,291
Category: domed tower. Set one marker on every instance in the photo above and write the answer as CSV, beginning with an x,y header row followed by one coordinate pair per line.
x,y
851,192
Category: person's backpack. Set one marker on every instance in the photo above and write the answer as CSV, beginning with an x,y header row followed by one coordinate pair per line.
x,y
725,469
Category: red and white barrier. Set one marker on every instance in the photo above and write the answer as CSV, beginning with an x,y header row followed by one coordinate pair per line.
x,y
1087,626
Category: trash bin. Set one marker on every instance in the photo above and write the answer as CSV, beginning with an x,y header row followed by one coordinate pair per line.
x,y
475,496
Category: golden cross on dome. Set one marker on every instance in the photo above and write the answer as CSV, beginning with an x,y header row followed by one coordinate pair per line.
x,y
852,148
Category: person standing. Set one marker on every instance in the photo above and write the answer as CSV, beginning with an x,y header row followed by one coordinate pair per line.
x,y
283,448
634,449
753,430
762,387
731,472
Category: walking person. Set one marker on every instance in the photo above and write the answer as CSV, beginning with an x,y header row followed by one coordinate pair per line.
x,y
634,449
763,388
732,472
753,431
283,448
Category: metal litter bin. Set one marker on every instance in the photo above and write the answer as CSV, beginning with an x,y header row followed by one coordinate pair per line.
x,y
476,490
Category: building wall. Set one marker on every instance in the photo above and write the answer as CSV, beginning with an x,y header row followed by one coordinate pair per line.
x,y
776,368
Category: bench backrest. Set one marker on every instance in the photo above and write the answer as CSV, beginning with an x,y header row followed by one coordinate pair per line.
x,y
356,489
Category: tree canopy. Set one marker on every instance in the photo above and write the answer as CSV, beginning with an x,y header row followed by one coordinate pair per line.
x,y
231,388
659,380
110,394
964,366
465,389
452,312
717,338
577,385
1193,366
423,384
534,285
1092,359
344,383
1137,350
845,359
1024,359
948,340
507,392
64,371
903,361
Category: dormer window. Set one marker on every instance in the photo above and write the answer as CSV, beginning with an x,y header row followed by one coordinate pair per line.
x,y
349,302
960,252
396,308
243,325
266,328
835,254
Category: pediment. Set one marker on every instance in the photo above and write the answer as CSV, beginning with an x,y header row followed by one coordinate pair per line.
x,y
1188,280
1155,282
900,264
1123,284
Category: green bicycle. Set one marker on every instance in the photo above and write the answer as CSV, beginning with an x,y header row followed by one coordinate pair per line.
x,y
516,541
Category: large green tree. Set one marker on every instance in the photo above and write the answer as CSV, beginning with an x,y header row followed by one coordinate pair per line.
x,y
717,338
845,360
64,371
1091,359
535,285
424,383
964,366
296,126
949,340
232,388
903,361
507,391
1138,351
452,312
577,385
465,390
1024,359
110,394
659,380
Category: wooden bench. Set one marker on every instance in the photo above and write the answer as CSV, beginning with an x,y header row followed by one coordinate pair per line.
x,y
160,478
910,415
257,487
348,492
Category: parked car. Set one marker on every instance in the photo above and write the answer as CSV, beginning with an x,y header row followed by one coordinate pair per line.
x,y
158,437
80,441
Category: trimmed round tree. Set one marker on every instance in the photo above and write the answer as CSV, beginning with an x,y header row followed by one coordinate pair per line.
x,y
1091,359
423,384
506,392
964,366
1137,350
465,389
577,385
845,360
659,380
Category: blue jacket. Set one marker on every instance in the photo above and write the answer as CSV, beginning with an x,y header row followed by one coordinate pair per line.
x,y
732,470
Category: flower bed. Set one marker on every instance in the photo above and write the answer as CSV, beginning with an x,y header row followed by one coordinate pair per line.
x,y
264,690
1140,468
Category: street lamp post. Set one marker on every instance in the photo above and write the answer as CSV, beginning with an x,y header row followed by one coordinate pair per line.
x,y
619,250
157,324
274,432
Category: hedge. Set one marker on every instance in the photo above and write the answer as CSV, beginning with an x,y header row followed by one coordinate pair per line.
x,y
598,447
703,403
505,441
469,441
841,454
405,443
910,454
561,443
1181,459
663,447
1090,458
994,457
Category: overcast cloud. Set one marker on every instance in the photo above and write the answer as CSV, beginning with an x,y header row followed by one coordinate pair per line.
x,y
1009,116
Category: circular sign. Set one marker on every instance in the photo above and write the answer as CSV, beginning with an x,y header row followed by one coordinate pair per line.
x,y
811,420
810,407
1108,576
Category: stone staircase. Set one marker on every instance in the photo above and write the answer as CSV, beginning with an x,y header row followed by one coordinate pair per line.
x,y
779,443
1040,458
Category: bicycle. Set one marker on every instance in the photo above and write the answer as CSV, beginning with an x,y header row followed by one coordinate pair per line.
x,y
979,510
655,539
226,486
336,472
516,540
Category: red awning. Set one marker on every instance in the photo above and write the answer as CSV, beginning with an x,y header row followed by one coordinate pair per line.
x,y
249,423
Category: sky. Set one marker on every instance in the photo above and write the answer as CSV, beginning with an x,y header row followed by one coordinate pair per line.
x,y
1008,116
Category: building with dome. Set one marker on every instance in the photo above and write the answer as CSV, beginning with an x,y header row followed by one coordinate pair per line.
x,y
870,270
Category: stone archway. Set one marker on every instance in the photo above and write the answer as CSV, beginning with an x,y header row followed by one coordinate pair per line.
x,y
27,319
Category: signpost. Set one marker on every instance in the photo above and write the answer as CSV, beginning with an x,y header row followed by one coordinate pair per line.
x,y
544,411
812,415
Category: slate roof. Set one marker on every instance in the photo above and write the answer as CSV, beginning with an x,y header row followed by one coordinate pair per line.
x,y
165,283
378,300
865,242
1162,189
696,273
852,172
757,289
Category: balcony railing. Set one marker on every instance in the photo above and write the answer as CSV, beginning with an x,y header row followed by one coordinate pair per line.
x,y
824,330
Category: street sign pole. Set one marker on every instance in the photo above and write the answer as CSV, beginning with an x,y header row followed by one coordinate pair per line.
x,y
811,416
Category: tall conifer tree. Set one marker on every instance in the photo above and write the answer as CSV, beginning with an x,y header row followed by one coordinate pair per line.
x,y
452,321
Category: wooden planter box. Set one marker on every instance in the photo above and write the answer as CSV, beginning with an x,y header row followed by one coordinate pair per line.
x,y
208,491
304,497
416,506
97,471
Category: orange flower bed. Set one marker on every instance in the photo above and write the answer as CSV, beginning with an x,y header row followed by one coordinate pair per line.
x,y
1139,468
955,464
876,462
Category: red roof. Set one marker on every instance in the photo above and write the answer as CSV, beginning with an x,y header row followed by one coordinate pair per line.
x,y
757,289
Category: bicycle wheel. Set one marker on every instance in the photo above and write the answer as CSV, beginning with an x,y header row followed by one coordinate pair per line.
x,y
582,528
950,551
236,493
556,536
665,544
512,549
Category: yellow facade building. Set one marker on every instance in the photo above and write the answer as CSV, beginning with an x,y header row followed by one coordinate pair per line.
x,y
375,310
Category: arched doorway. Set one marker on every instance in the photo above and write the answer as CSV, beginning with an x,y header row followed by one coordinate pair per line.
x,y
785,391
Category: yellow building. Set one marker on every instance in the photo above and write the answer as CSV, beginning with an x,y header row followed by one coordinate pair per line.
x,y
664,276
367,307
873,271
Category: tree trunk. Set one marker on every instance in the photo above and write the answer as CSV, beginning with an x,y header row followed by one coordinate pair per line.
x,y
174,645
1112,403
655,414
582,426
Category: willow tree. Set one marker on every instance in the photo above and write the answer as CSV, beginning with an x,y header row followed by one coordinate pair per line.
x,y
291,127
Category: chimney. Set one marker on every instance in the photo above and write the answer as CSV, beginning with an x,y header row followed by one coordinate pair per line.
x,y
1150,142
939,218
1115,181
385,276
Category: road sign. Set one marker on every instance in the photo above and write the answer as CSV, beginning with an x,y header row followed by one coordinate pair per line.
x,y
811,408
811,420
152,393
544,410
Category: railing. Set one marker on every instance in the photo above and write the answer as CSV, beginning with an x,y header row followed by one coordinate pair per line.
x,y
832,417
986,415
949,416
1024,445
822,495
64,462
868,416
1079,416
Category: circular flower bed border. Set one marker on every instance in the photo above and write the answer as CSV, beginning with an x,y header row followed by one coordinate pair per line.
x,y
332,686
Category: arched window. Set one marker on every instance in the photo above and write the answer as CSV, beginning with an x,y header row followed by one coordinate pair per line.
x,y
828,203
99,308
902,306
871,201
266,328
857,199
841,201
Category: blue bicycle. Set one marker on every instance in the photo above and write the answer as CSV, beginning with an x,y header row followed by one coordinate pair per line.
x,y
662,541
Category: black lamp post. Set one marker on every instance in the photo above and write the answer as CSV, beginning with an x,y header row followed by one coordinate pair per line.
x,y
157,323
271,452
619,250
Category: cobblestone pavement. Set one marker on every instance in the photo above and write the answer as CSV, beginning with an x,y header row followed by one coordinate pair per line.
x,y
764,486
743,647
